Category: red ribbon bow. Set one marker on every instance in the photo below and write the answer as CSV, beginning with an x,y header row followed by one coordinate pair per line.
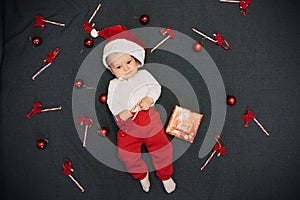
x,y
219,39
85,121
52,55
169,31
39,21
87,27
221,42
68,168
247,117
36,109
219,147
244,5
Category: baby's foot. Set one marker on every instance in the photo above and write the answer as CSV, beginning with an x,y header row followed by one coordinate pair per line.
x,y
145,183
169,185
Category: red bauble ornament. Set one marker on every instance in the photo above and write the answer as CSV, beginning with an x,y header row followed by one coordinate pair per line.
x,y
197,46
231,100
103,131
103,98
41,143
36,41
144,19
78,83
89,42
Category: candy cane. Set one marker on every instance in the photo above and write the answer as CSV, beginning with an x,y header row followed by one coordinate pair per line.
x,y
37,108
40,21
217,39
90,29
243,4
87,122
77,183
247,117
67,170
135,109
51,109
95,12
55,23
203,35
218,147
40,71
49,59
170,33
208,160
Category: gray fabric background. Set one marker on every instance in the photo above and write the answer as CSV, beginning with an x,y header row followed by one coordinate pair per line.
x,y
261,70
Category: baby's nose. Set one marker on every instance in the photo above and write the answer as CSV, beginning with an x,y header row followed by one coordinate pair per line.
x,y
126,68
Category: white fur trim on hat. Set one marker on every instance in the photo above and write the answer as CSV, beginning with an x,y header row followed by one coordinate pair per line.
x,y
123,46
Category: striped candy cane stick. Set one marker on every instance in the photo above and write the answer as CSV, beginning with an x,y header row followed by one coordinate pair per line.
x,y
170,33
248,116
49,60
95,12
243,4
218,147
135,110
37,108
204,35
68,170
87,122
217,39
40,21
90,29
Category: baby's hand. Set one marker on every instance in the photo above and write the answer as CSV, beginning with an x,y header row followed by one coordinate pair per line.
x,y
145,103
125,114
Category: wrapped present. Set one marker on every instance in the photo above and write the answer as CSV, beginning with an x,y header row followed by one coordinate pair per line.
x,y
184,123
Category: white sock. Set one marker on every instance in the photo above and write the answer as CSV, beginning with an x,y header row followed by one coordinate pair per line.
x,y
169,185
145,183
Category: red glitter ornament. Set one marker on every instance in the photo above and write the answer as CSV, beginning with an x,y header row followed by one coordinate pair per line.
x,y
41,143
103,131
197,46
89,42
36,41
103,98
231,100
78,83
144,19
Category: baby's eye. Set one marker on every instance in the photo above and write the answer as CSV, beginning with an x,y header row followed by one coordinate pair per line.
x,y
129,61
118,67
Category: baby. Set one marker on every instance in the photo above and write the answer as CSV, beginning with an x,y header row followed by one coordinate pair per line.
x,y
131,98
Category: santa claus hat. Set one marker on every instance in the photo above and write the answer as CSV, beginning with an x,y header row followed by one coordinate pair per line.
x,y
121,40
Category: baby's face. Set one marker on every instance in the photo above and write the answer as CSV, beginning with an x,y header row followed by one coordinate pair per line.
x,y
122,65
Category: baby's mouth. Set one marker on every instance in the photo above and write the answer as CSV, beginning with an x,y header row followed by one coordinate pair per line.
x,y
128,73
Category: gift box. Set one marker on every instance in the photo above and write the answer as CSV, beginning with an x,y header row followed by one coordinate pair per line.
x,y
184,124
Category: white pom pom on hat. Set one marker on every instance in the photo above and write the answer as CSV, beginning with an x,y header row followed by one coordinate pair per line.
x,y
121,40
94,33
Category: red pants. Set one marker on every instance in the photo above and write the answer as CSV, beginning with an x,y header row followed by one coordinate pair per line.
x,y
157,144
